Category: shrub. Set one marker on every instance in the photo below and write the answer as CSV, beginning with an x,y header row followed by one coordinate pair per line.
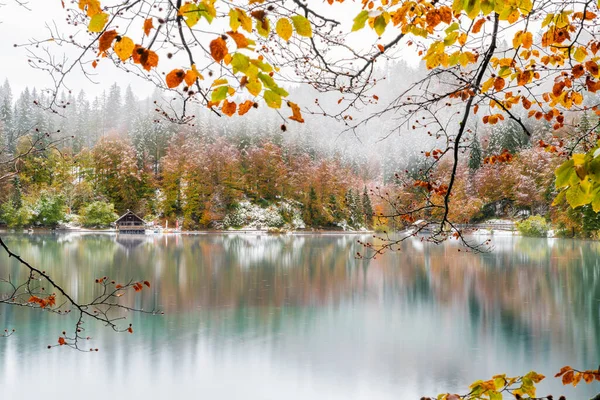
x,y
98,215
49,210
535,226
15,217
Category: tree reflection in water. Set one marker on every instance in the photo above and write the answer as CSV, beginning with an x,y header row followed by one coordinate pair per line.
x,y
302,309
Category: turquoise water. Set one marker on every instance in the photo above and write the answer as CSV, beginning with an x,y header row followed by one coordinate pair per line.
x,y
297,317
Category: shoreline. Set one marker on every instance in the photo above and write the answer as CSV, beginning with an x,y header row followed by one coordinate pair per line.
x,y
189,233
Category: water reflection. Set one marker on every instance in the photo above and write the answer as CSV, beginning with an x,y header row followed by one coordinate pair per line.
x,y
266,317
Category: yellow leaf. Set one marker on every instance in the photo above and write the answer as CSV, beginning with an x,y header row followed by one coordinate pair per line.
x,y
124,48
302,26
580,54
284,29
487,85
517,39
98,22
254,86
91,7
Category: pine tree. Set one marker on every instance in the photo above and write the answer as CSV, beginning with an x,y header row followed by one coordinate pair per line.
x,y
475,154
112,109
130,110
17,196
367,208
509,135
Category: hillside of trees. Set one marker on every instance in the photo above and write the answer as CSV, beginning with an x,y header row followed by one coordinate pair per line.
x,y
115,153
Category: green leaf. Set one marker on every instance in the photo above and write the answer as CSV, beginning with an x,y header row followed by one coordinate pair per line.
x,y
302,26
360,20
219,93
495,396
564,173
577,195
596,199
272,99
487,6
380,25
240,63
263,28
452,27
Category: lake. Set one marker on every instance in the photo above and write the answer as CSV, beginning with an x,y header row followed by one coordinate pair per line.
x,y
298,317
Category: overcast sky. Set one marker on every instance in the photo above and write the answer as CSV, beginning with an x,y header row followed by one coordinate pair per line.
x,y
18,25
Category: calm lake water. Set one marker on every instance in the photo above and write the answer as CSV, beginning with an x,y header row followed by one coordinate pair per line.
x,y
297,317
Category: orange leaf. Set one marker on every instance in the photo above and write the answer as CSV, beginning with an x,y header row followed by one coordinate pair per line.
x,y
244,107
148,59
191,76
218,49
527,40
499,83
568,377
147,283
239,39
478,25
119,286
174,78
296,114
105,41
577,378
228,108
130,330
148,26
381,48
94,63
62,341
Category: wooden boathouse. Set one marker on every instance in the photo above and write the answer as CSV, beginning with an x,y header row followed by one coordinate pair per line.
x,y
130,223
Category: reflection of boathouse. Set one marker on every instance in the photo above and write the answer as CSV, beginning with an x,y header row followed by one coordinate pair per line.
x,y
130,223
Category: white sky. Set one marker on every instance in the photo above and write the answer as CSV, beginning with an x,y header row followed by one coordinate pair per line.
x,y
18,25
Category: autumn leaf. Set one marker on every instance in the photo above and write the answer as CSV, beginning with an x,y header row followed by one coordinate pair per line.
x,y
568,377
148,59
130,329
240,40
296,114
360,20
302,26
62,341
244,107
148,26
124,48
91,7
147,283
477,26
174,78
284,29
192,75
228,108
272,99
105,41
98,22
218,49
